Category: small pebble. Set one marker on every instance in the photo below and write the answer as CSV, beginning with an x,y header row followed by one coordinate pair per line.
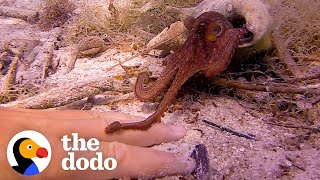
x,y
288,163
114,108
148,107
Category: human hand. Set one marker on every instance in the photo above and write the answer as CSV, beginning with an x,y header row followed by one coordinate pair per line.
x,y
127,147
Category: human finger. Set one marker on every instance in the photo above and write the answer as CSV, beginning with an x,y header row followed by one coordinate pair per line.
x,y
132,161
89,124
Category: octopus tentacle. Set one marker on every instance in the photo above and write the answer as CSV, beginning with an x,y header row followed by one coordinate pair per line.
x,y
145,93
181,77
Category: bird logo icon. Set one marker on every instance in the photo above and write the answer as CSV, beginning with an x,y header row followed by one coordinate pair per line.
x,y
29,153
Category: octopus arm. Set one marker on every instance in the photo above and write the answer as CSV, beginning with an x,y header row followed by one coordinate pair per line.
x,y
181,77
148,92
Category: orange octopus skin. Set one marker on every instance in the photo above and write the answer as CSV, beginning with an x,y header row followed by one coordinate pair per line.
x,y
208,50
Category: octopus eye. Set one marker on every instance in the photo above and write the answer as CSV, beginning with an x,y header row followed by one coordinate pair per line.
x,y
215,29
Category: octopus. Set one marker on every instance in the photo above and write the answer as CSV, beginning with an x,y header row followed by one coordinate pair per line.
x,y
208,50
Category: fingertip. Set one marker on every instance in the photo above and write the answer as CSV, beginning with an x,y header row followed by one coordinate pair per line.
x,y
177,131
190,164
146,163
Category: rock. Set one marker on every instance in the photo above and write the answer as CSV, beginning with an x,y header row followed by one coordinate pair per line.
x,y
91,46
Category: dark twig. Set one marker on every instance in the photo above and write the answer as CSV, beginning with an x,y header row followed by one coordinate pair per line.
x,y
247,136
295,164
305,78
274,87
316,101
100,99
72,60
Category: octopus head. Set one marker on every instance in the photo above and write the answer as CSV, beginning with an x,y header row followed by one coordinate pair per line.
x,y
209,26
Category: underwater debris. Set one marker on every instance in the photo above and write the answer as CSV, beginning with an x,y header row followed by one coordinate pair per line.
x,y
73,58
88,47
99,99
56,13
298,25
13,52
313,129
61,96
93,20
9,81
267,87
20,13
47,58
285,56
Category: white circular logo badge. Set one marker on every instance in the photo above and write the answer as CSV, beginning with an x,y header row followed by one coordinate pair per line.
x,y
29,153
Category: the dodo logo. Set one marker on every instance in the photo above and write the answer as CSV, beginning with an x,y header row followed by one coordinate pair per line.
x,y
29,152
